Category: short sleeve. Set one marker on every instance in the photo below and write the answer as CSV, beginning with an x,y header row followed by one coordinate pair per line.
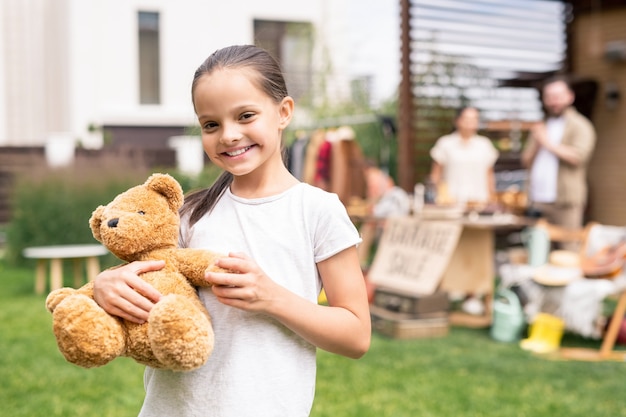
x,y
491,153
333,229
438,152
583,137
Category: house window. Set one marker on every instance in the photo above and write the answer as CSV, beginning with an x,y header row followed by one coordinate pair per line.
x,y
149,63
291,43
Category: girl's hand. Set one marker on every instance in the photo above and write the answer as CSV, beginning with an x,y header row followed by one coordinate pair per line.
x,y
248,289
342,327
121,292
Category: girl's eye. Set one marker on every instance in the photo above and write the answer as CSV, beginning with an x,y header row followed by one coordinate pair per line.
x,y
246,116
209,125
141,212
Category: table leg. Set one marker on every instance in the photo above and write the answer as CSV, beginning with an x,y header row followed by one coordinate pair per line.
x,y
78,272
93,267
616,320
471,271
40,276
56,274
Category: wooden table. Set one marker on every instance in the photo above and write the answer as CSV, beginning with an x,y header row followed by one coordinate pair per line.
x,y
88,254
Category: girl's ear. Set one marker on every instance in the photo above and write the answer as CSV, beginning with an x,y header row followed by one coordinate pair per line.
x,y
286,111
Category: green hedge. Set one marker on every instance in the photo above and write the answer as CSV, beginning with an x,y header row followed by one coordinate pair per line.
x,y
53,207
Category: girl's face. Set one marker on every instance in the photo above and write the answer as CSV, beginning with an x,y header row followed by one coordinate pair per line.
x,y
241,125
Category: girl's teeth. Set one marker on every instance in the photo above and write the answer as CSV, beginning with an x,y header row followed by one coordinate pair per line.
x,y
239,152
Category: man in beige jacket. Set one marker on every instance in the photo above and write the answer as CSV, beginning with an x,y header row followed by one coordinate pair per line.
x,y
557,154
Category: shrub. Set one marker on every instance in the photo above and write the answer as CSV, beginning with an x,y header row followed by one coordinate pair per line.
x,y
53,207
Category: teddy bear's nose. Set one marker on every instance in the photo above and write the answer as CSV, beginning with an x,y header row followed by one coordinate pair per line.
x,y
113,222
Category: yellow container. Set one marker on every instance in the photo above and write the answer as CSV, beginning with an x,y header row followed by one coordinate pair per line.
x,y
545,334
321,299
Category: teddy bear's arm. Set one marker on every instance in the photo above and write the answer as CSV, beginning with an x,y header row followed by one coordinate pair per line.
x,y
193,263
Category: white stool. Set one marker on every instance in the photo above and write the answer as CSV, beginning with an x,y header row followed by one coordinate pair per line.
x,y
55,254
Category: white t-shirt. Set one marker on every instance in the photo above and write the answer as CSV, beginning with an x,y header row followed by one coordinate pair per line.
x,y
545,167
258,367
465,164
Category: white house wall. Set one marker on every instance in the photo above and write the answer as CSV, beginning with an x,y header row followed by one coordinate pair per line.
x,y
3,88
91,73
24,70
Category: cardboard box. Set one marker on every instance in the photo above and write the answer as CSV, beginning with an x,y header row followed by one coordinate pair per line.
x,y
412,255
406,326
398,301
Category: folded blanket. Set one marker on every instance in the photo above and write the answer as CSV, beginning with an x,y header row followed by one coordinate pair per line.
x,y
581,305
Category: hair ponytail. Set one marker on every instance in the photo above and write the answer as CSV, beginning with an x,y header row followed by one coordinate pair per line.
x,y
201,202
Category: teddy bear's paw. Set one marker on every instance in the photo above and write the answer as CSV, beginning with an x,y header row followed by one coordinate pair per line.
x,y
55,297
180,333
86,335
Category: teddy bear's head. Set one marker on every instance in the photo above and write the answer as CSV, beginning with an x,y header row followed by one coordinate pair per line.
x,y
141,219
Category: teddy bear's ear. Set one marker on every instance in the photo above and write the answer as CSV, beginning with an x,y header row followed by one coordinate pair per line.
x,y
94,222
167,186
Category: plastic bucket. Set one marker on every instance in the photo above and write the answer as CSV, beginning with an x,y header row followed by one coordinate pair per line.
x,y
508,317
545,334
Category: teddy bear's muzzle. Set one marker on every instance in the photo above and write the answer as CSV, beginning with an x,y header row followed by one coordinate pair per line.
x,y
113,222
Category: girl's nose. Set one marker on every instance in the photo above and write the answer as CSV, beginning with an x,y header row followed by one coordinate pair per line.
x,y
230,135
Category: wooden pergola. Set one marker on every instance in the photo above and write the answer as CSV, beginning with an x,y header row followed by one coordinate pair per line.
x,y
411,153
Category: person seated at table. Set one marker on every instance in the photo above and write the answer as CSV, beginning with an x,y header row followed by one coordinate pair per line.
x,y
383,198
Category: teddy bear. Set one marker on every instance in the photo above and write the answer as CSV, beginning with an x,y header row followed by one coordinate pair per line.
x,y
141,223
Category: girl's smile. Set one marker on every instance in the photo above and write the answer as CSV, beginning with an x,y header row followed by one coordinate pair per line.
x,y
237,152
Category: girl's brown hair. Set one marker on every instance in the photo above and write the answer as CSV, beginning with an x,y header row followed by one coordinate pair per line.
x,y
267,76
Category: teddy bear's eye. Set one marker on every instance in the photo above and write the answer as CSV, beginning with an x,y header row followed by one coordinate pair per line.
x,y
141,212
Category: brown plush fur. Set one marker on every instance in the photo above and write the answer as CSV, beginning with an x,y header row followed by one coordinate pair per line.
x,y
141,224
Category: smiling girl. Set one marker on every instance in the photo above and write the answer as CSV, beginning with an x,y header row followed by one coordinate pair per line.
x,y
285,240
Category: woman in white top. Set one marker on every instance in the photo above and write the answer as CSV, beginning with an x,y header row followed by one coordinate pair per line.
x,y
464,160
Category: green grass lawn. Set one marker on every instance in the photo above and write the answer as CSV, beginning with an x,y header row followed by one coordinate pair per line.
x,y
463,374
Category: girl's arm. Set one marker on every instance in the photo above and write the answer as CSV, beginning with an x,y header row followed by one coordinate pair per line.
x,y
121,292
343,327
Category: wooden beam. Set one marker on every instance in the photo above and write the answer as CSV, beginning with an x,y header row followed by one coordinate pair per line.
x,y
405,103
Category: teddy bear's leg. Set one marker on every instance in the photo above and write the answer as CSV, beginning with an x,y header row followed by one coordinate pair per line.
x,y
55,297
180,333
86,335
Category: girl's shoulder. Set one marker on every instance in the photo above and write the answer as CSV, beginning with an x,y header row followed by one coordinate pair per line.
x,y
310,193
319,201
